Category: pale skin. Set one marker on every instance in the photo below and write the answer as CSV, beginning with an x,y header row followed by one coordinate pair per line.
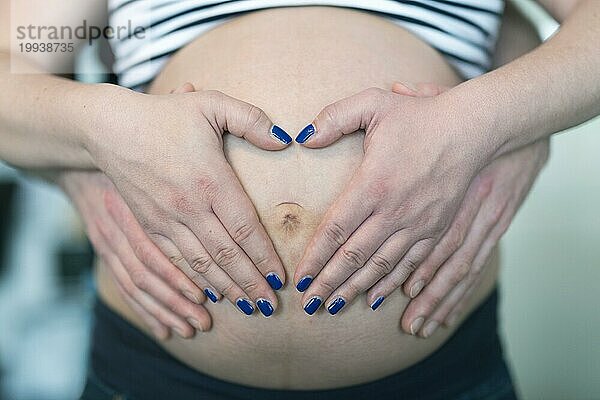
x,y
37,138
385,224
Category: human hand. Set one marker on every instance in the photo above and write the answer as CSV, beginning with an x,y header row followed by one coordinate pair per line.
x,y
403,197
164,153
441,286
150,285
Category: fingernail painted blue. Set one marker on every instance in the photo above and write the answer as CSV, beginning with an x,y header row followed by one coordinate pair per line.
x,y
281,135
377,303
209,293
306,133
245,306
336,306
304,283
274,281
312,305
265,307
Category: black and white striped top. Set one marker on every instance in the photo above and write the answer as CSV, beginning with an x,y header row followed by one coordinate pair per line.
x,y
463,31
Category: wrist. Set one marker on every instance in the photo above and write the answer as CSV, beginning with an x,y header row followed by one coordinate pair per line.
x,y
465,132
106,106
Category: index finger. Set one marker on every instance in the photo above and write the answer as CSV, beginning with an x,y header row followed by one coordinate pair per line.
x,y
238,215
346,214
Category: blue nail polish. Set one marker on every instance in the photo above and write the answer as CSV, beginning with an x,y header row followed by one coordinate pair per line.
x,y
377,303
274,281
306,133
304,283
245,306
280,135
265,307
336,305
312,305
209,293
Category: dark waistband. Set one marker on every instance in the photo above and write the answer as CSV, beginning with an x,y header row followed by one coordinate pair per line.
x,y
127,360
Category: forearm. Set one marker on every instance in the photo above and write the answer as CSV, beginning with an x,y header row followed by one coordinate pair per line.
x,y
548,90
45,120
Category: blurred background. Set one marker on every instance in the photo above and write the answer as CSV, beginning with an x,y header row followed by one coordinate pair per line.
x,y
550,282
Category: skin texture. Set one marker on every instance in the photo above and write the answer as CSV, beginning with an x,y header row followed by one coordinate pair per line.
x,y
292,189
453,268
396,221
179,187
59,88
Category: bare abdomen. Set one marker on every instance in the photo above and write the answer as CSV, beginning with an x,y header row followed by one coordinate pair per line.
x,y
291,63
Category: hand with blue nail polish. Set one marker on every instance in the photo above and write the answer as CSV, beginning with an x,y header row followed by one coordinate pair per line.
x,y
415,173
172,173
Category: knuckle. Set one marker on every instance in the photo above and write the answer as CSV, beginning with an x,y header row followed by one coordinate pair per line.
x,y
410,264
254,117
352,288
353,257
249,285
201,264
460,272
226,255
207,187
381,264
335,233
495,214
228,289
139,279
243,231
456,236
327,287
177,260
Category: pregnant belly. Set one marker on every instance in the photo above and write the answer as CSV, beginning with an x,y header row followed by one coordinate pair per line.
x,y
291,63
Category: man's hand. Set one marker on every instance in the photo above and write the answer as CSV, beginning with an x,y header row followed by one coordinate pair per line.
x,y
441,285
164,153
155,289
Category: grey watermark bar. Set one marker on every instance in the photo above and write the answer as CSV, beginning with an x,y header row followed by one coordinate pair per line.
x,y
47,36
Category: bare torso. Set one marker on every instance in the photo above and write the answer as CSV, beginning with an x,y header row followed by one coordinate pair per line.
x,y
291,63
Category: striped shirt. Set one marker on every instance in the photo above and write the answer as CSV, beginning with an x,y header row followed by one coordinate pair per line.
x,y
464,31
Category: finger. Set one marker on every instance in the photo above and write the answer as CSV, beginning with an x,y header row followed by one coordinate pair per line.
x,y
158,329
232,259
493,238
343,117
405,256
390,258
347,260
152,306
149,283
453,238
451,273
246,121
418,90
176,258
202,262
146,251
185,88
458,311
237,215
348,212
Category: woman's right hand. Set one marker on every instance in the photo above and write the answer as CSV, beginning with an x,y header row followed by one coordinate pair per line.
x,y
164,153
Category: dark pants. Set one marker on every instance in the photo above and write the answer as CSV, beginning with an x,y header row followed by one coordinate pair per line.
x,y
126,364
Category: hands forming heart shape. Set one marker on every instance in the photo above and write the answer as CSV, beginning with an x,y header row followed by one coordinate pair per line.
x,y
161,204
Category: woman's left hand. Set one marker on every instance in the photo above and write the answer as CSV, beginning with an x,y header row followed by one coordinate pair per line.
x,y
416,170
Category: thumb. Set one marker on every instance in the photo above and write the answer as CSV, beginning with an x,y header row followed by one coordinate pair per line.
x,y
185,88
419,90
343,117
247,121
